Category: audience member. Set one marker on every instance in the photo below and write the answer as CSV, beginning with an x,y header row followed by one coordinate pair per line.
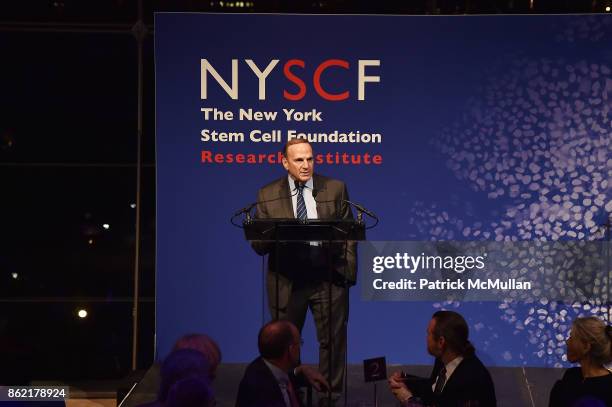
x,y
272,379
181,364
190,392
458,378
590,345
206,345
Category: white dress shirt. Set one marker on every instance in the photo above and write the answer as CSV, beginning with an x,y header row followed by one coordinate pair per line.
x,y
410,401
450,368
282,378
311,204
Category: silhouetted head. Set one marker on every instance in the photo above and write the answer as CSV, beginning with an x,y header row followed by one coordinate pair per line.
x,y
182,364
590,339
204,344
190,392
279,342
448,332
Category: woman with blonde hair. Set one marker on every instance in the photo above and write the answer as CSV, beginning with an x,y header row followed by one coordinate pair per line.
x,y
590,345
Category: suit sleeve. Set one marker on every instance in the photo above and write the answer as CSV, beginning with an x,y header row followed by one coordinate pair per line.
x,y
351,245
242,396
558,396
261,212
423,389
489,397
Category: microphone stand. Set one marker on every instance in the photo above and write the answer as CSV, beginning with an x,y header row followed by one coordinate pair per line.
x,y
607,236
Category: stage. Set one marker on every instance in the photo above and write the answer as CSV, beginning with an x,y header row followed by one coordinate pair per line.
x,y
514,387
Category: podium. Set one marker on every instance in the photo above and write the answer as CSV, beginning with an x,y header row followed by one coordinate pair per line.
x,y
312,230
325,231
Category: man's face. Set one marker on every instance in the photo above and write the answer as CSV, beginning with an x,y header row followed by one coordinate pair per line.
x,y
299,162
434,346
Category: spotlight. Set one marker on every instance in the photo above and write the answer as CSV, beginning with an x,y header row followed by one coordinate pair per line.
x,y
608,9
106,226
133,205
15,276
7,139
90,241
82,313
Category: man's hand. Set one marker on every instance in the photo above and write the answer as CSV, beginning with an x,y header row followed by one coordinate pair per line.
x,y
398,387
313,376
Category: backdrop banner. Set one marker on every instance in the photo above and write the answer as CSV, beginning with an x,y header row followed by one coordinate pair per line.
x,y
483,129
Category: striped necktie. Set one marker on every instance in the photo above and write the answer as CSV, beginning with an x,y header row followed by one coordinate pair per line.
x,y
293,399
441,381
301,204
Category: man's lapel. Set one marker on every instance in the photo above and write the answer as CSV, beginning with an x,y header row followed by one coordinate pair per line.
x,y
456,378
323,207
285,204
270,386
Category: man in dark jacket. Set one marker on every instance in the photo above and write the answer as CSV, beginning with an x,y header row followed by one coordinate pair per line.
x,y
272,379
299,276
458,378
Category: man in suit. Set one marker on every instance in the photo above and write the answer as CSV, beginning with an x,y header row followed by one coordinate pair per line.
x,y
272,379
458,378
298,273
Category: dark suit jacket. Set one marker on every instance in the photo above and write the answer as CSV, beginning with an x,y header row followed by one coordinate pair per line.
x,y
470,382
259,388
298,259
575,390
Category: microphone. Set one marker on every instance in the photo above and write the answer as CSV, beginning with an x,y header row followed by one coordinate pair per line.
x,y
315,191
355,205
247,209
361,209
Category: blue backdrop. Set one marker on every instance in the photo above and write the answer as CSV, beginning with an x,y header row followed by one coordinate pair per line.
x,y
493,127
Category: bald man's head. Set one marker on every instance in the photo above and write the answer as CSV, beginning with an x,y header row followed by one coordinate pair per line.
x,y
275,338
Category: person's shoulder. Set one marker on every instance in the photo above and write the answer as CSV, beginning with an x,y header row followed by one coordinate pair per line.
x,y
254,366
472,360
257,363
254,372
273,184
474,364
573,374
478,380
327,181
250,383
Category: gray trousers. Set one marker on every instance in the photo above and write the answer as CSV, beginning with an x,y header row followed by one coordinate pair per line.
x,y
294,302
